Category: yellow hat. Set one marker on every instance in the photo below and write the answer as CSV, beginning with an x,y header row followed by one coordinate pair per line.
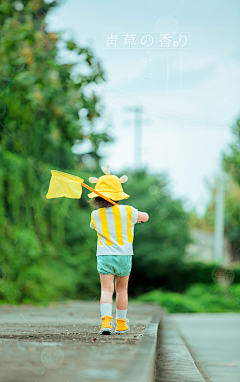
x,y
109,185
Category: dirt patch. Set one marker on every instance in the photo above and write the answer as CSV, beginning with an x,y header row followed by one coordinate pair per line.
x,y
74,333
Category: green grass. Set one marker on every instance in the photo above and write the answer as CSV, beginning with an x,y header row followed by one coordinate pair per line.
x,y
199,298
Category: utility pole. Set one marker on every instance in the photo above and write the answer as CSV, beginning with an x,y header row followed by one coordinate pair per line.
x,y
138,136
138,122
219,219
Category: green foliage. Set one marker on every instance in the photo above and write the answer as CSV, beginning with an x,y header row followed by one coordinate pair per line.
x,y
206,222
232,213
232,198
232,218
161,241
48,251
232,166
45,244
232,159
198,298
175,276
42,96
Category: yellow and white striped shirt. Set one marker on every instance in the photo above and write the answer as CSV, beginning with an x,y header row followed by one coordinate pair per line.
x,y
115,229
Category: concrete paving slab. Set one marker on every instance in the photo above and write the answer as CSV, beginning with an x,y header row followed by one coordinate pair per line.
x,y
174,362
214,342
62,343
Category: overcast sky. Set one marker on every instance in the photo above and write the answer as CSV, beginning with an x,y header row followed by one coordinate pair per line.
x,y
190,95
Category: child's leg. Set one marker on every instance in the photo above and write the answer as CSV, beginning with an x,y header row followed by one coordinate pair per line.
x,y
107,289
121,287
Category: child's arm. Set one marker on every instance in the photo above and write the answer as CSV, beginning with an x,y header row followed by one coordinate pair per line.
x,y
142,217
92,223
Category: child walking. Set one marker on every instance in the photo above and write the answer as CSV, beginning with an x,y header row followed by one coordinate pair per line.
x,y
114,225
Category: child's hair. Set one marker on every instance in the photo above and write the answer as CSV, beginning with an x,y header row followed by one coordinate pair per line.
x,y
101,203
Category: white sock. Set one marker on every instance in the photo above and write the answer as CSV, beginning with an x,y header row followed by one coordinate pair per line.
x,y
106,309
121,314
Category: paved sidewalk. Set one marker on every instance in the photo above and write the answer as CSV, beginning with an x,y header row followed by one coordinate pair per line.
x,y
214,342
174,362
62,343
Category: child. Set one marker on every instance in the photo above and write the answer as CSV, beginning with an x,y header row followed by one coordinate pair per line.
x,y
115,230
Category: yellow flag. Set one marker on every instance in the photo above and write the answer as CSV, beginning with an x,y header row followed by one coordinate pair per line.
x,y
62,184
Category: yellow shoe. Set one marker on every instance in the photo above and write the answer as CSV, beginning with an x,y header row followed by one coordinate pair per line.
x,y
121,325
107,325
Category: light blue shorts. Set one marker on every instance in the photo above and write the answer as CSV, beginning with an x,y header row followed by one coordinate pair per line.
x,y
118,265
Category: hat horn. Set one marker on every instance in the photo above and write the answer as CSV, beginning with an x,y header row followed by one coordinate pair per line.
x,y
123,178
106,170
92,179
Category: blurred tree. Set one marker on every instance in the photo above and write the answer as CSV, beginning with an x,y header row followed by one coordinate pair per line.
x,y
205,222
232,216
47,248
41,94
159,243
232,159
232,195
44,253
232,166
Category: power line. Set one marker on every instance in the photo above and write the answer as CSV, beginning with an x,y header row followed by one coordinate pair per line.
x,y
178,117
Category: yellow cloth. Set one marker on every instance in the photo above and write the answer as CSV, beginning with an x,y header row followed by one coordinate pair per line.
x,y
62,184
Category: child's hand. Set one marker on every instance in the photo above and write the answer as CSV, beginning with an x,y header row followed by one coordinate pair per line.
x,y
142,217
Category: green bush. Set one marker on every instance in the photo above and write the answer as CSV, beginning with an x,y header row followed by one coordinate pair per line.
x,y
198,298
175,276
48,249
173,302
